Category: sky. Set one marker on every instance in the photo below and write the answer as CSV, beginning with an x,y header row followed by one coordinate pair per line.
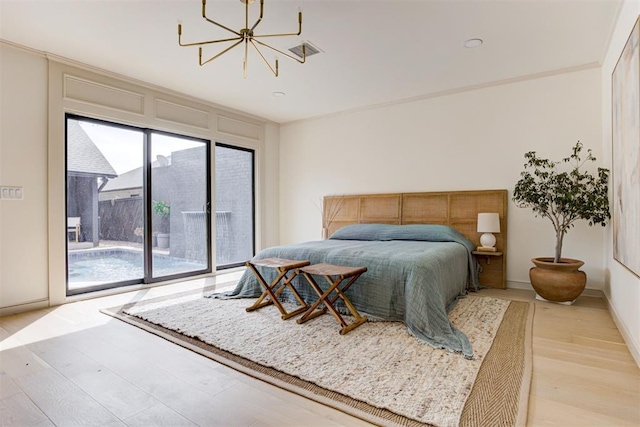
x,y
123,147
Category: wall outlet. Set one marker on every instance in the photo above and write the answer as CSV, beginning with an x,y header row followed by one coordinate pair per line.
x,y
11,193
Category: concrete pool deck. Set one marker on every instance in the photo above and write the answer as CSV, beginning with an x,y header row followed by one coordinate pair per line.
x,y
73,246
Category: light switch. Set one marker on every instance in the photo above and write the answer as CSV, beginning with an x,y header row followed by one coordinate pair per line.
x,y
11,193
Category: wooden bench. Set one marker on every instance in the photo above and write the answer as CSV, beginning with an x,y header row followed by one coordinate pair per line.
x,y
278,285
335,276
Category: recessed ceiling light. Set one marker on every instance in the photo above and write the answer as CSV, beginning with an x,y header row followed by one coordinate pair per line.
x,y
471,43
278,94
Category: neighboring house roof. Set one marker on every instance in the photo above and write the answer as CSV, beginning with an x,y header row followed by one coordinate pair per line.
x,y
125,181
83,157
133,178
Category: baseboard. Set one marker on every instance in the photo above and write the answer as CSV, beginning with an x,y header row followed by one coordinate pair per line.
x,y
21,308
513,284
632,344
595,293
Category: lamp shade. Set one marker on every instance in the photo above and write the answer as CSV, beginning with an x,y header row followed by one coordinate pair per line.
x,y
488,223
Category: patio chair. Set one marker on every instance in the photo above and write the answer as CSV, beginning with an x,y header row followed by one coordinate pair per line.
x,y
73,226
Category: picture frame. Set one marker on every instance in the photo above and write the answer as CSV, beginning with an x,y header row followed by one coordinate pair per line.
x,y
625,94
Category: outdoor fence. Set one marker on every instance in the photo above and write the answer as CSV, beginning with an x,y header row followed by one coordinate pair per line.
x,y
121,220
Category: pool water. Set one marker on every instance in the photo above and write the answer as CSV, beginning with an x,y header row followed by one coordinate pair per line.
x,y
119,265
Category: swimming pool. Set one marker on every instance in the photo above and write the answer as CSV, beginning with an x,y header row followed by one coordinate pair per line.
x,y
99,266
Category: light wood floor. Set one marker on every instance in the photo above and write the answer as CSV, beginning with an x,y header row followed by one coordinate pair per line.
x,y
71,365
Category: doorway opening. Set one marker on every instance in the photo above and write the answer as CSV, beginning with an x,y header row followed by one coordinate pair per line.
x,y
235,205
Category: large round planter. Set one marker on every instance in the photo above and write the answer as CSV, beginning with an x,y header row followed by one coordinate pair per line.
x,y
559,282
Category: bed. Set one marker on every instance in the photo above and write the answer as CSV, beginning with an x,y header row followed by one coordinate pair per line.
x,y
416,272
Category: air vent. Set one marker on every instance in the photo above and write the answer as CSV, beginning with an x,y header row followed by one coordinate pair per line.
x,y
311,50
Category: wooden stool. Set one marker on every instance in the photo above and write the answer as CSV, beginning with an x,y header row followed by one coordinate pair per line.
x,y
276,287
341,273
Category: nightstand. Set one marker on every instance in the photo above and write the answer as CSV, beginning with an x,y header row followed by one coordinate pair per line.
x,y
493,269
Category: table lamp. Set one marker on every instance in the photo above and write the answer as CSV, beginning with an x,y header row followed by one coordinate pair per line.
x,y
488,223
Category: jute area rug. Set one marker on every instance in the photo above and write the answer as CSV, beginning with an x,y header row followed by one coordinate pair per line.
x,y
378,372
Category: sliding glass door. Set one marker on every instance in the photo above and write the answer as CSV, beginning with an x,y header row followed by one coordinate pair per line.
x,y
179,188
137,205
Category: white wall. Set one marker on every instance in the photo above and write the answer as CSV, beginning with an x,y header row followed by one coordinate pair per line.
x,y
23,162
470,140
271,233
622,287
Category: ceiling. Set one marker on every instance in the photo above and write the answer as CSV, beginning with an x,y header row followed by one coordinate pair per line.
x,y
374,52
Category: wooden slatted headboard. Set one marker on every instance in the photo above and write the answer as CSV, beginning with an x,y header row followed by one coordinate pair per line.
x,y
457,209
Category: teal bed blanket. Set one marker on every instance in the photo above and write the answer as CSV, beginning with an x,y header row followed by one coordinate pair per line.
x,y
415,274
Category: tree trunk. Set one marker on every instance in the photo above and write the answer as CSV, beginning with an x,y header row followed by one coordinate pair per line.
x,y
559,237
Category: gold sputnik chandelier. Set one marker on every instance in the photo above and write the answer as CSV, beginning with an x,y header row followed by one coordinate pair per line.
x,y
247,37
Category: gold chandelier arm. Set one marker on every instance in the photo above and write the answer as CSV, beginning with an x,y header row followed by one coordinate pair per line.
x,y
260,17
285,34
304,51
246,52
218,55
275,72
204,15
203,42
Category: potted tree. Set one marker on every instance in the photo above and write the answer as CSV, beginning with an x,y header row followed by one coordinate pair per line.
x,y
563,197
